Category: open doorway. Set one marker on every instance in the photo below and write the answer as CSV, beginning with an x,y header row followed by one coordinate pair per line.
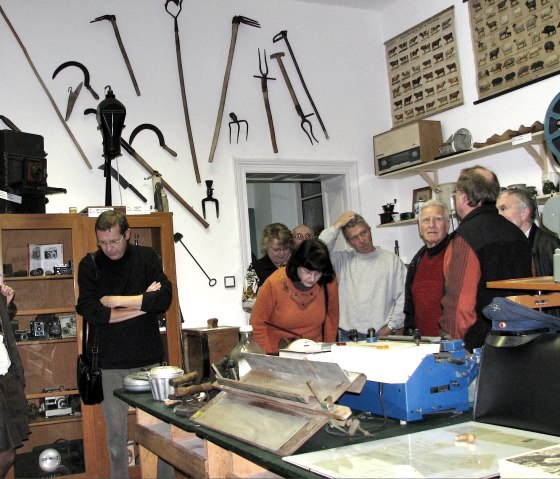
x,y
338,180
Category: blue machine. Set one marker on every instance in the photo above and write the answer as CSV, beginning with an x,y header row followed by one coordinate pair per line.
x,y
439,383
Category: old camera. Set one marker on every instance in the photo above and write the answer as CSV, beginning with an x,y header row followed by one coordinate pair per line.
x,y
55,405
45,326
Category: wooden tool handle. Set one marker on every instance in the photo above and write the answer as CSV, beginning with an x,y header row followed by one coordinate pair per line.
x,y
185,378
194,389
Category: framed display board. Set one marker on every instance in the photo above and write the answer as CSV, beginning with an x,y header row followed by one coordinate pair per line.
x,y
423,68
515,43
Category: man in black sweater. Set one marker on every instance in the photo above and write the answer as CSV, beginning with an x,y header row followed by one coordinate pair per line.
x,y
123,289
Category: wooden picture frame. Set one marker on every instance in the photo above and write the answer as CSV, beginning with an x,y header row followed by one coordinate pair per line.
x,y
514,44
424,71
421,194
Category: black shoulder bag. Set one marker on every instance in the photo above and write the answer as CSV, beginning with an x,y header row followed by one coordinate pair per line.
x,y
88,372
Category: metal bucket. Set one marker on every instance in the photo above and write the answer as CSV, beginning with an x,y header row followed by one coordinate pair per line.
x,y
159,381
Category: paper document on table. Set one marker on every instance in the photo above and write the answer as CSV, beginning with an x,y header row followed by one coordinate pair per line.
x,y
434,453
391,362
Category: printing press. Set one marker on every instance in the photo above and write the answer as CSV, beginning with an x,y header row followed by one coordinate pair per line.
x,y
406,379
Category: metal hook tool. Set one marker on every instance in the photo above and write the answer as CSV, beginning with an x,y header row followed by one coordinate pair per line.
x,y
178,238
209,197
305,123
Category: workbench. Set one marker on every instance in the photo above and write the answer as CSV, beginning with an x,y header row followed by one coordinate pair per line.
x,y
200,452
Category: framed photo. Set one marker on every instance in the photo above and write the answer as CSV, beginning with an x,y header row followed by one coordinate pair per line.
x,y
423,68
421,194
514,44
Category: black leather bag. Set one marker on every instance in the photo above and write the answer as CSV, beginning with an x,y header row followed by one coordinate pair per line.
x,y
88,373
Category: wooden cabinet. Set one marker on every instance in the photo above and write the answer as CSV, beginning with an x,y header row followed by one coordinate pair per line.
x,y
51,363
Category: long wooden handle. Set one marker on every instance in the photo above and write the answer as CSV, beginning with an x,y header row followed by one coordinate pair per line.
x,y
217,127
125,56
270,122
51,99
185,108
176,195
194,389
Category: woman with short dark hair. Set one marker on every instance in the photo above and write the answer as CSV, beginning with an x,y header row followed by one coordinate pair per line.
x,y
298,301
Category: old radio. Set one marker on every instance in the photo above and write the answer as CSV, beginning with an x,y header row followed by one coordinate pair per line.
x,y
407,146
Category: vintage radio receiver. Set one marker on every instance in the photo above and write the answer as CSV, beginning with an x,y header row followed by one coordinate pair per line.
x,y
407,146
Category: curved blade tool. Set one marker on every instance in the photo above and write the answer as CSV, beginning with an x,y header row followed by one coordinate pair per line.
x,y
84,70
157,131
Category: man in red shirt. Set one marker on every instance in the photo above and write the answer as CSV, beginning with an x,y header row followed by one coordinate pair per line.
x,y
424,279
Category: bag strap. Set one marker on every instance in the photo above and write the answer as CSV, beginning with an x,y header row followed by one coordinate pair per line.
x,y
95,348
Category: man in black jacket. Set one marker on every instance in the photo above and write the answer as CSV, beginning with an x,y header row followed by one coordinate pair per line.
x,y
519,206
485,247
123,289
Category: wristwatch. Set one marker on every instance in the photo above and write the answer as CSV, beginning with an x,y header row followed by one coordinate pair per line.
x,y
392,330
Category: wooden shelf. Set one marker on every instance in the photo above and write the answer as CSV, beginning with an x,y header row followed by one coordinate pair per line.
x,y
34,312
63,392
50,421
50,277
31,342
423,169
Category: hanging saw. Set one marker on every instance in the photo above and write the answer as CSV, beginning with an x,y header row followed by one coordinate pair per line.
x,y
179,4
132,152
45,89
113,21
125,184
234,28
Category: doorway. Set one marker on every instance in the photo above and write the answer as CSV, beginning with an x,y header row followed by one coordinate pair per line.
x,y
339,188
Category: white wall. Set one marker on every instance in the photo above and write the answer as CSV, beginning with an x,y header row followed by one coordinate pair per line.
x,y
340,51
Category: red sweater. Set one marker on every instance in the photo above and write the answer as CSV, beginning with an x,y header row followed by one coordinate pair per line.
x,y
280,303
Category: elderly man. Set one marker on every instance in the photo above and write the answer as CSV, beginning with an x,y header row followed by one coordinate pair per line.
x,y
424,279
520,208
485,247
301,233
370,280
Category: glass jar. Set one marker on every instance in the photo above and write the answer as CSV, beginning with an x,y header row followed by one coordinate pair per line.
x,y
237,365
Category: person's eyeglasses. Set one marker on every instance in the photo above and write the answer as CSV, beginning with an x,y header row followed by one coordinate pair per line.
x,y
311,274
301,236
104,244
362,235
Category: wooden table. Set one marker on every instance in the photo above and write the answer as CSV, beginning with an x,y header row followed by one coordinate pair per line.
x,y
537,284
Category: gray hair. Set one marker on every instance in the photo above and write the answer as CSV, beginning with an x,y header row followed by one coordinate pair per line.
x,y
525,199
429,203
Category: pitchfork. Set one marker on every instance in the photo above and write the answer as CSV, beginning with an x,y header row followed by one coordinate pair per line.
x,y
234,28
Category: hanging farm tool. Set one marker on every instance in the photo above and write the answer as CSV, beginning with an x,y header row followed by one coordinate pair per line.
x,y
175,15
264,87
178,238
84,71
72,97
234,29
237,122
283,35
113,21
132,152
210,198
305,123
157,131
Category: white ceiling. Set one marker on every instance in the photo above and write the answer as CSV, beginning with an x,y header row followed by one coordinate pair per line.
x,y
365,4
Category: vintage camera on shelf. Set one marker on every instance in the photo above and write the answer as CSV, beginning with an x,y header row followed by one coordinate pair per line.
x,y
52,406
63,269
22,334
45,326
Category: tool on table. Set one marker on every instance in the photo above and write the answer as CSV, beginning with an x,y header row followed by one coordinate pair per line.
x,y
84,71
209,197
125,184
304,121
264,87
9,124
179,4
178,238
113,21
72,97
190,396
283,35
161,203
132,152
236,121
234,29
157,131
46,90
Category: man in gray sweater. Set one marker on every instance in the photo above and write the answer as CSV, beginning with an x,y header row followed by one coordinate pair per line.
x,y
370,280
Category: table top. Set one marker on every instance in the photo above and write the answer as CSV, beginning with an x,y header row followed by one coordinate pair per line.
x,y
273,462
538,283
